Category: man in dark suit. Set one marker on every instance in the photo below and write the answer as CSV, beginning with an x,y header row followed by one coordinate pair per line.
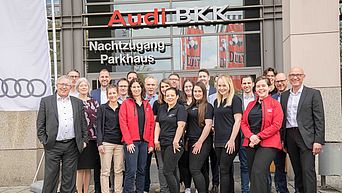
x,y
304,125
280,181
100,94
61,128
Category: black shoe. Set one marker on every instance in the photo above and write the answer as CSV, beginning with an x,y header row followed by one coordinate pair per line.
x,y
214,189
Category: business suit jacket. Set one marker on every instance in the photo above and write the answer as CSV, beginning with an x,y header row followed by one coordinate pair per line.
x,y
47,122
212,90
96,94
310,116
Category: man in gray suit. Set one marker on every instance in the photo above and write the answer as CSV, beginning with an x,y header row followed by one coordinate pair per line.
x,y
61,128
304,125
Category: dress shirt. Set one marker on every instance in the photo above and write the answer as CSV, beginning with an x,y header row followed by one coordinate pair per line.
x,y
151,99
121,100
73,93
103,96
247,99
65,119
292,108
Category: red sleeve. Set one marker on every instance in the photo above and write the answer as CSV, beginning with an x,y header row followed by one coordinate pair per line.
x,y
126,136
246,130
151,127
277,121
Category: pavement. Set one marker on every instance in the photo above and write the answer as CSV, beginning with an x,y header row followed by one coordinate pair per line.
x,y
155,185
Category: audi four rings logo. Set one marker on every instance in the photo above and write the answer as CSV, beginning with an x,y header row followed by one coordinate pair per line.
x,y
22,87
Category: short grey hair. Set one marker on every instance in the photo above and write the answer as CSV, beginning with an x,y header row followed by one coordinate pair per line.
x,y
62,78
79,81
151,77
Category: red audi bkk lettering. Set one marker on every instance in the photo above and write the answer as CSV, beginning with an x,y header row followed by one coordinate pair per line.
x,y
150,18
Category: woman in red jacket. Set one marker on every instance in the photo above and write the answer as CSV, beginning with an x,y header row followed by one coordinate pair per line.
x,y
260,125
137,127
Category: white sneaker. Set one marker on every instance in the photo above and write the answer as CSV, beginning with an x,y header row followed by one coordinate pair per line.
x,y
187,190
196,191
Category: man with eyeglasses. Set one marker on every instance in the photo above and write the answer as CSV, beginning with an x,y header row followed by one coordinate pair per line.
x,y
62,129
304,129
73,75
280,181
123,90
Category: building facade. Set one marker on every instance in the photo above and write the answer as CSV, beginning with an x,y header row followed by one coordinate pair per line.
x,y
159,37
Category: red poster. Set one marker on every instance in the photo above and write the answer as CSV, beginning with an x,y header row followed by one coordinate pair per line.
x,y
232,50
191,49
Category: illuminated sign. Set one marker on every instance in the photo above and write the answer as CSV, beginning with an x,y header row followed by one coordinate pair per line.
x,y
183,16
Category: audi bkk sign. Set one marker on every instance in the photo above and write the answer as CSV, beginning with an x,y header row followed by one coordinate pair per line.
x,y
183,16
24,88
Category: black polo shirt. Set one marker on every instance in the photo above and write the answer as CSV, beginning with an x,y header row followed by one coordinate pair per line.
x,y
224,120
194,130
141,119
108,128
168,122
156,106
255,118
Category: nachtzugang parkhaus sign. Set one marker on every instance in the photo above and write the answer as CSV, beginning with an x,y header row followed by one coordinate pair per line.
x,y
122,50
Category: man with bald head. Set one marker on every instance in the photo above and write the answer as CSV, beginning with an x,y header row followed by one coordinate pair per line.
x,y
304,129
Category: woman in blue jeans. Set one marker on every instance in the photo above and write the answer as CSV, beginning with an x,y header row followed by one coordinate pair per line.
x,y
137,127
169,130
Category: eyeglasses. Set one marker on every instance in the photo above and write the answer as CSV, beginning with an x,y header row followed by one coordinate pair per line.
x,y
123,86
295,75
175,79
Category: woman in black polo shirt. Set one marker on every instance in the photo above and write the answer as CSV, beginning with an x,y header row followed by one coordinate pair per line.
x,y
227,113
109,138
199,123
169,130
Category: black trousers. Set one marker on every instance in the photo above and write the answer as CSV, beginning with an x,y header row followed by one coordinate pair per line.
x,y
147,172
170,160
303,162
97,173
201,178
214,166
259,160
67,154
184,171
226,162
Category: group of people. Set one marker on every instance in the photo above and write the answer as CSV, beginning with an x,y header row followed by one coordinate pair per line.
x,y
116,129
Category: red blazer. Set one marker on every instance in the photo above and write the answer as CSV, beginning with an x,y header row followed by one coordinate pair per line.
x,y
272,119
128,118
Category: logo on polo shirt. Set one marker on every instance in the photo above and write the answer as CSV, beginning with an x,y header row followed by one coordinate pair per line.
x,y
171,115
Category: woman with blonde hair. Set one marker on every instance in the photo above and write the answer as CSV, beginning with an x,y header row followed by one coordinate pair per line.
x,y
228,114
87,159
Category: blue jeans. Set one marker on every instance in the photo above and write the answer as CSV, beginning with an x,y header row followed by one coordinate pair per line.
x,y
135,168
243,169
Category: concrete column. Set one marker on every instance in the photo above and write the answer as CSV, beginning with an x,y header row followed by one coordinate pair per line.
x,y
72,37
19,152
311,41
